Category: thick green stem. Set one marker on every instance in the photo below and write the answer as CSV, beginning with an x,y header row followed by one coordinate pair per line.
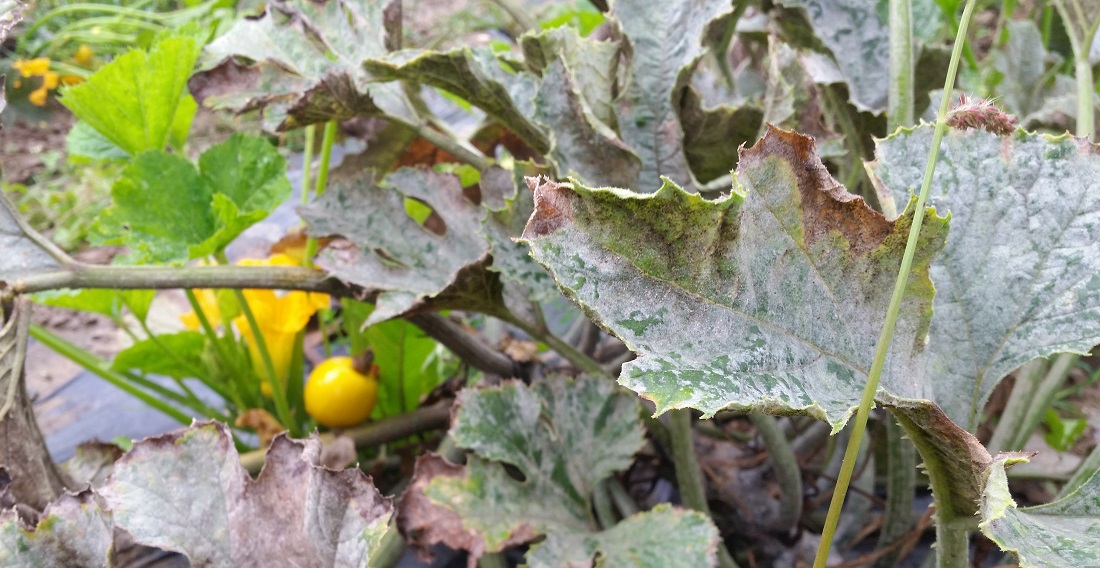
x,y
1085,120
952,543
278,384
883,345
787,470
1036,385
327,142
75,275
901,477
689,477
389,551
899,110
572,354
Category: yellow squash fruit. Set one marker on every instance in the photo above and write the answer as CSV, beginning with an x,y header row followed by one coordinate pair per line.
x,y
339,396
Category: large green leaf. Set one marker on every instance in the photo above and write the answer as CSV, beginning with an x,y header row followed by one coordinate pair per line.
x,y
134,100
475,75
1020,276
1063,533
302,62
72,531
167,210
389,252
564,437
187,492
666,40
857,36
770,299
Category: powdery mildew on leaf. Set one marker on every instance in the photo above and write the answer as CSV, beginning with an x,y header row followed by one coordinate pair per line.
x,y
1020,275
73,531
187,492
564,437
22,255
307,64
1063,533
770,299
387,251
666,40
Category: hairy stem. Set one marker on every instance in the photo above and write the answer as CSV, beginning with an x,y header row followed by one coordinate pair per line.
x,y
899,110
883,345
901,476
787,470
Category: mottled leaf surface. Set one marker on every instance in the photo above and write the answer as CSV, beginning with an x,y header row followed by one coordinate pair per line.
x,y
592,63
666,40
857,36
11,13
1063,533
23,256
582,145
388,251
187,492
501,225
1020,275
475,75
72,531
167,210
564,437
302,62
134,100
770,299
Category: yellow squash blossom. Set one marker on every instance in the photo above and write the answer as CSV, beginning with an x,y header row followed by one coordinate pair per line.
x,y
84,55
32,67
208,303
280,316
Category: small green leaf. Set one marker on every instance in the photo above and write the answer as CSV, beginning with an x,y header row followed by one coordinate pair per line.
x,y
136,100
177,355
166,210
86,142
1062,433
1063,533
99,300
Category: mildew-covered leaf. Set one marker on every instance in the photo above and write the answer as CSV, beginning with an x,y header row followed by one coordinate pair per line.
x,y
1020,275
713,136
582,145
856,34
593,65
475,75
73,531
25,251
187,492
564,437
387,251
666,40
501,226
769,299
1063,533
302,62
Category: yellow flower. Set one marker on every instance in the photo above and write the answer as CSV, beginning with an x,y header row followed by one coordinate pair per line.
x,y
38,97
208,303
50,80
32,67
84,55
279,317
71,80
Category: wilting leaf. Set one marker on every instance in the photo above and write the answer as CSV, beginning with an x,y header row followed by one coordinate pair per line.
x,y
564,437
24,253
390,252
1063,533
72,531
476,76
713,136
857,36
511,259
305,64
11,13
134,100
582,145
770,299
167,210
1020,275
187,492
666,40
593,65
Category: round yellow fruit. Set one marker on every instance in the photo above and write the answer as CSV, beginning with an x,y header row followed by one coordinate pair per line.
x,y
338,396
